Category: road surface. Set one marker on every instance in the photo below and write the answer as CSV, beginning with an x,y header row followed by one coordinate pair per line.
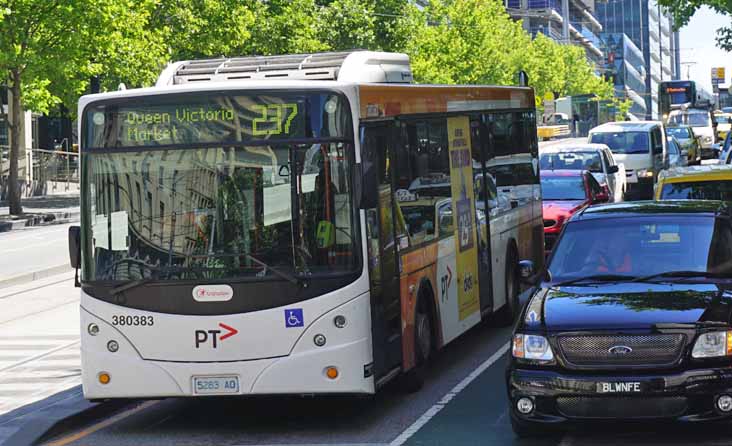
x,y
463,403
33,249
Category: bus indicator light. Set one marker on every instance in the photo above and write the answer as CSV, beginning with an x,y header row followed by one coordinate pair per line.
x,y
331,372
104,378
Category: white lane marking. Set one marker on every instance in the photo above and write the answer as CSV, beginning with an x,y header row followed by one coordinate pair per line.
x,y
437,407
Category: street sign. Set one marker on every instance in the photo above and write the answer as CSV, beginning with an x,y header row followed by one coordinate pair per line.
x,y
718,75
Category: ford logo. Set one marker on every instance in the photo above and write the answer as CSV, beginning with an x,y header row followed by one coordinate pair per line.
x,y
620,350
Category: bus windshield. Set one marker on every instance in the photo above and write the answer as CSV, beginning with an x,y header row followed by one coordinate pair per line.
x,y
252,210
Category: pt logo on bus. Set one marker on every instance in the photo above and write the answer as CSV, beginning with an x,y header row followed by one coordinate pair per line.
x,y
204,337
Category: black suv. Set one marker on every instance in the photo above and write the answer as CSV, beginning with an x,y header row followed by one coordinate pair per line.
x,y
631,320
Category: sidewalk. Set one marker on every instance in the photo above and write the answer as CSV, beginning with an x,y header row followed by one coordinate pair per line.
x,y
43,210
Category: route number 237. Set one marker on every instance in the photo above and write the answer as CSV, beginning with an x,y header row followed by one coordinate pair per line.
x,y
274,119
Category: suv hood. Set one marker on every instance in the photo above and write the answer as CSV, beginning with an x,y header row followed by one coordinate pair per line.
x,y
631,306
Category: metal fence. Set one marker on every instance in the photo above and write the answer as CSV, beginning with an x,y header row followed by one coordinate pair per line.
x,y
43,172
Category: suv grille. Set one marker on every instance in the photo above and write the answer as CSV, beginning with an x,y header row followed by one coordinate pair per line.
x,y
621,407
594,351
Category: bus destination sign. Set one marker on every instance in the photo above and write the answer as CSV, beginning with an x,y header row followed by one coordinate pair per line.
x,y
205,120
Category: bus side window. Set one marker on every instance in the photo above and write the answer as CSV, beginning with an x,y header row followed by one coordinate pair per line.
x,y
423,177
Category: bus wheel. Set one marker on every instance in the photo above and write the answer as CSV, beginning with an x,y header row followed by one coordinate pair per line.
x,y
414,378
509,311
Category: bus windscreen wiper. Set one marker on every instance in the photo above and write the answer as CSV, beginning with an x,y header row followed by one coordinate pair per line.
x,y
595,278
682,274
288,277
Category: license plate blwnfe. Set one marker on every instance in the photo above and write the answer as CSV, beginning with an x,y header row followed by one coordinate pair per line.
x,y
619,387
206,385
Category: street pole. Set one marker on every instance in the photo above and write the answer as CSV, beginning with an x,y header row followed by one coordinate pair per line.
x,y
565,21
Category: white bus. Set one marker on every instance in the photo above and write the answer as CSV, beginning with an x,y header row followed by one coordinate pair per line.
x,y
287,225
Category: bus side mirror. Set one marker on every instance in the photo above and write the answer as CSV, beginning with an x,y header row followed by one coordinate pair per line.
x,y
75,252
75,246
365,186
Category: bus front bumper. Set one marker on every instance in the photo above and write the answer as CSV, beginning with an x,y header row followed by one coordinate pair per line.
x,y
304,371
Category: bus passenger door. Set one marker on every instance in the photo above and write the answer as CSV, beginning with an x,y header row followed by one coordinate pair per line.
x,y
484,199
386,316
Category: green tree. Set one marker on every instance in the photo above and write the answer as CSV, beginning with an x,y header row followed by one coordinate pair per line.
x,y
367,24
476,42
683,10
50,48
194,29
465,42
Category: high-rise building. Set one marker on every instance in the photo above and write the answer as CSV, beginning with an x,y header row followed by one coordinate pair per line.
x,y
548,17
650,28
626,69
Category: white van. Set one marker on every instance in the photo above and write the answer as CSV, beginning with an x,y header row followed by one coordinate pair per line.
x,y
700,122
641,147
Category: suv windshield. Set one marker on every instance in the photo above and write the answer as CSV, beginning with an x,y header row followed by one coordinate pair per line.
x,y
643,245
562,188
624,142
698,190
169,196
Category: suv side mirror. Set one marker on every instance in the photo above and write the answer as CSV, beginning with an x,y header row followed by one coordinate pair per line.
x,y
75,246
613,169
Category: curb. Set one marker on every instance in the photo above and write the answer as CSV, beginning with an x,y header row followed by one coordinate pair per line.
x,y
70,411
50,218
35,275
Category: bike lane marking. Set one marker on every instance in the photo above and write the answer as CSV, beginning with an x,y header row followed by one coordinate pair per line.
x,y
438,406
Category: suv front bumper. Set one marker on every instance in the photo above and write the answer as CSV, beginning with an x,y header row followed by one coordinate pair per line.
x,y
564,398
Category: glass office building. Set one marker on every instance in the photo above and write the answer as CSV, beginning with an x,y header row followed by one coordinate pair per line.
x,y
650,29
546,17
626,69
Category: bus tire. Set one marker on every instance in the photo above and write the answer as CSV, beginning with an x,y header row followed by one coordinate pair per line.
x,y
423,346
508,313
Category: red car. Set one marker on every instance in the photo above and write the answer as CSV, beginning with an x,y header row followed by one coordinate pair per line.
x,y
564,192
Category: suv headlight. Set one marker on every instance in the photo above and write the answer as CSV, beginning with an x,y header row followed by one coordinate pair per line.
x,y
713,344
532,347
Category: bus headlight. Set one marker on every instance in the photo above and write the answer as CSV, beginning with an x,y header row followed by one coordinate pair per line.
x,y
112,346
319,340
93,329
532,347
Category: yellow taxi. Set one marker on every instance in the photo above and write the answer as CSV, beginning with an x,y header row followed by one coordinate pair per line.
x,y
724,124
706,182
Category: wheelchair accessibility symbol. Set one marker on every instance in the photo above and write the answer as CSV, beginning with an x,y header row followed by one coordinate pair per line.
x,y
294,318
